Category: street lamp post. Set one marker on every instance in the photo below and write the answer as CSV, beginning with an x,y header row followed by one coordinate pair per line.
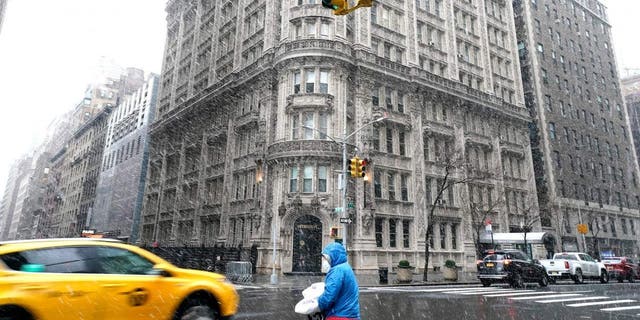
x,y
343,142
281,212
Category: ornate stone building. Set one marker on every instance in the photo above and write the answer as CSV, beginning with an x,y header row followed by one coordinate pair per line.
x,y
251,105
586,168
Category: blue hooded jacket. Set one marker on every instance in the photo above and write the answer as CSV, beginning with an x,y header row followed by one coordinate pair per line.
x,y
340,297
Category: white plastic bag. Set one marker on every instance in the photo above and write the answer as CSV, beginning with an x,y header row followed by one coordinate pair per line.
x,y
309,305
314,291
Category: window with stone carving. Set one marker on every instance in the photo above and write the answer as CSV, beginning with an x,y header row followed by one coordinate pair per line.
x,y
316,80
309,125
309,178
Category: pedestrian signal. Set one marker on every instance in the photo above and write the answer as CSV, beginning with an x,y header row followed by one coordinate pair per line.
x,y
333,232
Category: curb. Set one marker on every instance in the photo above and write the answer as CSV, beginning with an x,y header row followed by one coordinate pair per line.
x,y
424,284
412,284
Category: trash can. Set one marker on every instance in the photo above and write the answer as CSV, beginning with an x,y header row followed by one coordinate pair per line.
x,y
383,274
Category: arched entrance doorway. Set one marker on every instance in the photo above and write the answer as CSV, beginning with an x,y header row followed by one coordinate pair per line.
x,y
307,244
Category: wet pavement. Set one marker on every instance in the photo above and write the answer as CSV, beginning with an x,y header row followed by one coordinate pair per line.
x,y
303,281
562,301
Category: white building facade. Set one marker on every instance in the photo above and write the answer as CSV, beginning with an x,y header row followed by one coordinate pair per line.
x,y
252,94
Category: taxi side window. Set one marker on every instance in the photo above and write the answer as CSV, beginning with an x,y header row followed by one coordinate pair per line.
x,y
121,261
55,260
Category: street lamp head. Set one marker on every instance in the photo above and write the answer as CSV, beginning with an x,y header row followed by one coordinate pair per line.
x,y
383,116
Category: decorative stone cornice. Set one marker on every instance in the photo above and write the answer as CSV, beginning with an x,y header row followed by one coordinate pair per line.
x,y
303,148
315,101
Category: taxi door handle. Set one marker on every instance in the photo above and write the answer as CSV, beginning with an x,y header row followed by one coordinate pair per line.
x,y
113,285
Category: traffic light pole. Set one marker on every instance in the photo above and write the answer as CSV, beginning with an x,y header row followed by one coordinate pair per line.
x,y
344,143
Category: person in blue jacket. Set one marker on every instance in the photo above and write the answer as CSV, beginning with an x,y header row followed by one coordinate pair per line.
x,y
340,300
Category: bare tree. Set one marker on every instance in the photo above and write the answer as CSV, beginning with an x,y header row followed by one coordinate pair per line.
x,y
456,170
560,221
479,212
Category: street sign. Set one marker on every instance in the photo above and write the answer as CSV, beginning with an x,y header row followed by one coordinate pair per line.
x,y
582,228
338,209
351,205
487,228
346,220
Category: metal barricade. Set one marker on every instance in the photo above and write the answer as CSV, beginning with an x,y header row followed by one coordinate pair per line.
x,y
239,271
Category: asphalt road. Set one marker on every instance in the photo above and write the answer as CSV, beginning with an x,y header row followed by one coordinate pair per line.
x,y
591,300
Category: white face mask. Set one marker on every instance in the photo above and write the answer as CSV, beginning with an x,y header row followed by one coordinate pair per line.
x,y
325,266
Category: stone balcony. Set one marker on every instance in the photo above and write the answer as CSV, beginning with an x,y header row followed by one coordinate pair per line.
x,y
478,139
512,148
247,119
304,148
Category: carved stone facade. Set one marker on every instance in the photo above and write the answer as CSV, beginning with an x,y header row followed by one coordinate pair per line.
x,y
252,100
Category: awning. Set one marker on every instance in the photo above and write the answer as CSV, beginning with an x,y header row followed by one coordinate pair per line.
x,y
516,238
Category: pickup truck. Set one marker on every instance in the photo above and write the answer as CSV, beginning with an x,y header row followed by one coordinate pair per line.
x,y
575,266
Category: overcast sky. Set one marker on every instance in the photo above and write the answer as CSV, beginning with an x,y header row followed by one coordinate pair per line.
x,y
49,51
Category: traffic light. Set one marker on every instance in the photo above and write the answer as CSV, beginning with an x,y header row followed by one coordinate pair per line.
x,y
335,5
353,166
333,232
341,7
362,167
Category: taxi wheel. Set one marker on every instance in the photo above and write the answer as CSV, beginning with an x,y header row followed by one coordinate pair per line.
x,y
201,312
14,313
197,307
632,276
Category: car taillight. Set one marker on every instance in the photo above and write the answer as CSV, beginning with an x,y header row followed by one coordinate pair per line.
x,y
566,264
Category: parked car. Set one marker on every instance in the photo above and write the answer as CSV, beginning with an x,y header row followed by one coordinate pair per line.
x,y
622,268
576,266
512,267
102,279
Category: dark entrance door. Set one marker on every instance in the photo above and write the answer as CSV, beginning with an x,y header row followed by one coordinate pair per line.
x,y
307,244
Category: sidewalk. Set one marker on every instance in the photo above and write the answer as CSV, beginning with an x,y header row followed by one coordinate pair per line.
x,y
366,280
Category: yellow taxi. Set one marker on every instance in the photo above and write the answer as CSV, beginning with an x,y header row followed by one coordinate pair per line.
x,y
105,279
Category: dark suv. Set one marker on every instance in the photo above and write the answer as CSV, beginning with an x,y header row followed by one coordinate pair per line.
x,y
512,267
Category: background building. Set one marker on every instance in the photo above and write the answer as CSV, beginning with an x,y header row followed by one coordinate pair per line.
x,y
252,95
631,93
586,169
76,165
3,10
12,200
121,182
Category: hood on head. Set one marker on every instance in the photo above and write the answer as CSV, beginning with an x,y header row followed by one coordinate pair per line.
x,y
336,252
